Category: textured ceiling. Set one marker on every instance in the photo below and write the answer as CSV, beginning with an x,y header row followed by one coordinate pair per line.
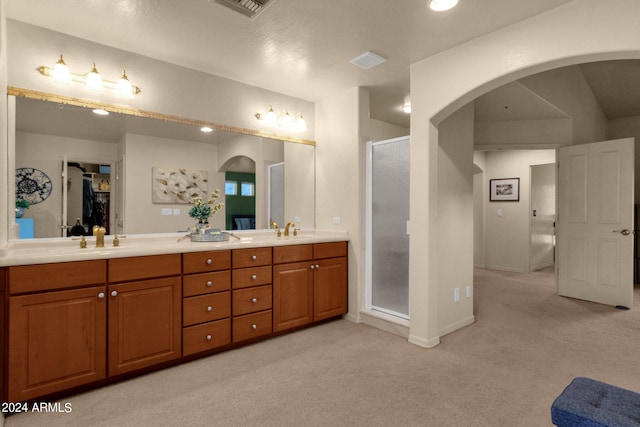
x,y
297,47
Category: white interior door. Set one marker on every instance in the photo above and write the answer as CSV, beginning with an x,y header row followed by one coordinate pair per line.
x,y
595,222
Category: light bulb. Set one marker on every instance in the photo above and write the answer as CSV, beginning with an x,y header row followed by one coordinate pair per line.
x,y
301,124
286,120
92,80
271,116
125,90
61,74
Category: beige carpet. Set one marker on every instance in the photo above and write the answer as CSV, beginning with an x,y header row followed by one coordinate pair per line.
x,y
504,370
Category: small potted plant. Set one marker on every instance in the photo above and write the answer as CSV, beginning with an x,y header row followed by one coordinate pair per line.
x,y
203,210
21,205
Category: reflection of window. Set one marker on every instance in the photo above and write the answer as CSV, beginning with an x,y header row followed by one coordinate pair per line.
x,y
230,188
246,189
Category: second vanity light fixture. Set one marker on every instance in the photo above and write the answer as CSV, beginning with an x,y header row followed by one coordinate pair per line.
x,y
285,120
60,74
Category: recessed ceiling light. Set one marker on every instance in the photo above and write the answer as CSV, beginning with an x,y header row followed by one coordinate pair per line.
x,y
101,112
206,129
442,5
368,60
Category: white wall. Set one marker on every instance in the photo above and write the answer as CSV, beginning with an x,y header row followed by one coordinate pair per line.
x,y
578,31
567,89
507,236
480,165
166,88
455,211
342,131
380,131
46,152
145,152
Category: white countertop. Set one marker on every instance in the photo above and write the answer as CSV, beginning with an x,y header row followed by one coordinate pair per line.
x,y
42,251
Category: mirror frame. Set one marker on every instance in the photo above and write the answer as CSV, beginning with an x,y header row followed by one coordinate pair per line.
x,y
78,102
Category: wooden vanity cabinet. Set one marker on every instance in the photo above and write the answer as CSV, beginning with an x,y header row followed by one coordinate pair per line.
x,y
56,338
206,304
313,287
330,290
251,279
145,312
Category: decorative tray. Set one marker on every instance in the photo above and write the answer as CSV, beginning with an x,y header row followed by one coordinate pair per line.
x,y
209,235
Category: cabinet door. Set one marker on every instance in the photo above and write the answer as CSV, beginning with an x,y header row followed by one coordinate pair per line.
x,y
57,340
292,295
145,324
329,288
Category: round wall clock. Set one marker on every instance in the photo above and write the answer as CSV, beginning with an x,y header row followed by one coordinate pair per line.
x,y
32,185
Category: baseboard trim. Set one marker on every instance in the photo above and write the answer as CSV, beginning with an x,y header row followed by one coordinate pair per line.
x,y
350,317
501,268
424,343
457,325
395,326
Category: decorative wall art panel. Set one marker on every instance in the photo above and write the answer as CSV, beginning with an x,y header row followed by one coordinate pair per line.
x,y
32,185
174,185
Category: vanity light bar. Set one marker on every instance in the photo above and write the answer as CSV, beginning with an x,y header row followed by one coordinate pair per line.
x,y
60,74
286,120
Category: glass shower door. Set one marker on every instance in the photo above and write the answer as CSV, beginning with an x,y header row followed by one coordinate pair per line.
x,y
388,227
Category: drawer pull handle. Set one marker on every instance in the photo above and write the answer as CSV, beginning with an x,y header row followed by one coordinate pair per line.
x,y
209,283
209,337
209,308
114,293
254,327
254,300
254,277
209,261
253,257
101,295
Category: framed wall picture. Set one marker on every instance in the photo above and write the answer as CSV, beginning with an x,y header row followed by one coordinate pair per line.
x,y
504,190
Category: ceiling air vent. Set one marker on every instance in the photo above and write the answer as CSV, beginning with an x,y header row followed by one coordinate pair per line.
x,y
250,8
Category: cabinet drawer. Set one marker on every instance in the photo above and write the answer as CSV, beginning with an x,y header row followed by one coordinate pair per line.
x,y
292,253
251,326
206,336
43,277
329,250
251,257
143,267
246,277
206,308
202,262
250,300
206,283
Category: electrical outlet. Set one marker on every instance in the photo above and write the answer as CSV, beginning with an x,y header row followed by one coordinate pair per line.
x,y
468,291
166,211
337,220
456,294
176,211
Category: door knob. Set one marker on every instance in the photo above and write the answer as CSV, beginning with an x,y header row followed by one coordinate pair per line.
x,y
624,232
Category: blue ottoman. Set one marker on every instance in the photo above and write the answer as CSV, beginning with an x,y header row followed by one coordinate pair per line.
x,y
590,403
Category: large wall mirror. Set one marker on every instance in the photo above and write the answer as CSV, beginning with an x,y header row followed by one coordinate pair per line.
x,y
121,162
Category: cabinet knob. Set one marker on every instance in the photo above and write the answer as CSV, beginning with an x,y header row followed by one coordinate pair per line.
x,y
209,337
313,266
254,300
209,261
317,266
254,277
253,257
101,295
254,327
114,293
209,283
209,308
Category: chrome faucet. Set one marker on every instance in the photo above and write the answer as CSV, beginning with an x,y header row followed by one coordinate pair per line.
x,y
286,228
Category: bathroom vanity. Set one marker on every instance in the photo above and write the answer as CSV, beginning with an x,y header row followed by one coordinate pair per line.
x,y
76,318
